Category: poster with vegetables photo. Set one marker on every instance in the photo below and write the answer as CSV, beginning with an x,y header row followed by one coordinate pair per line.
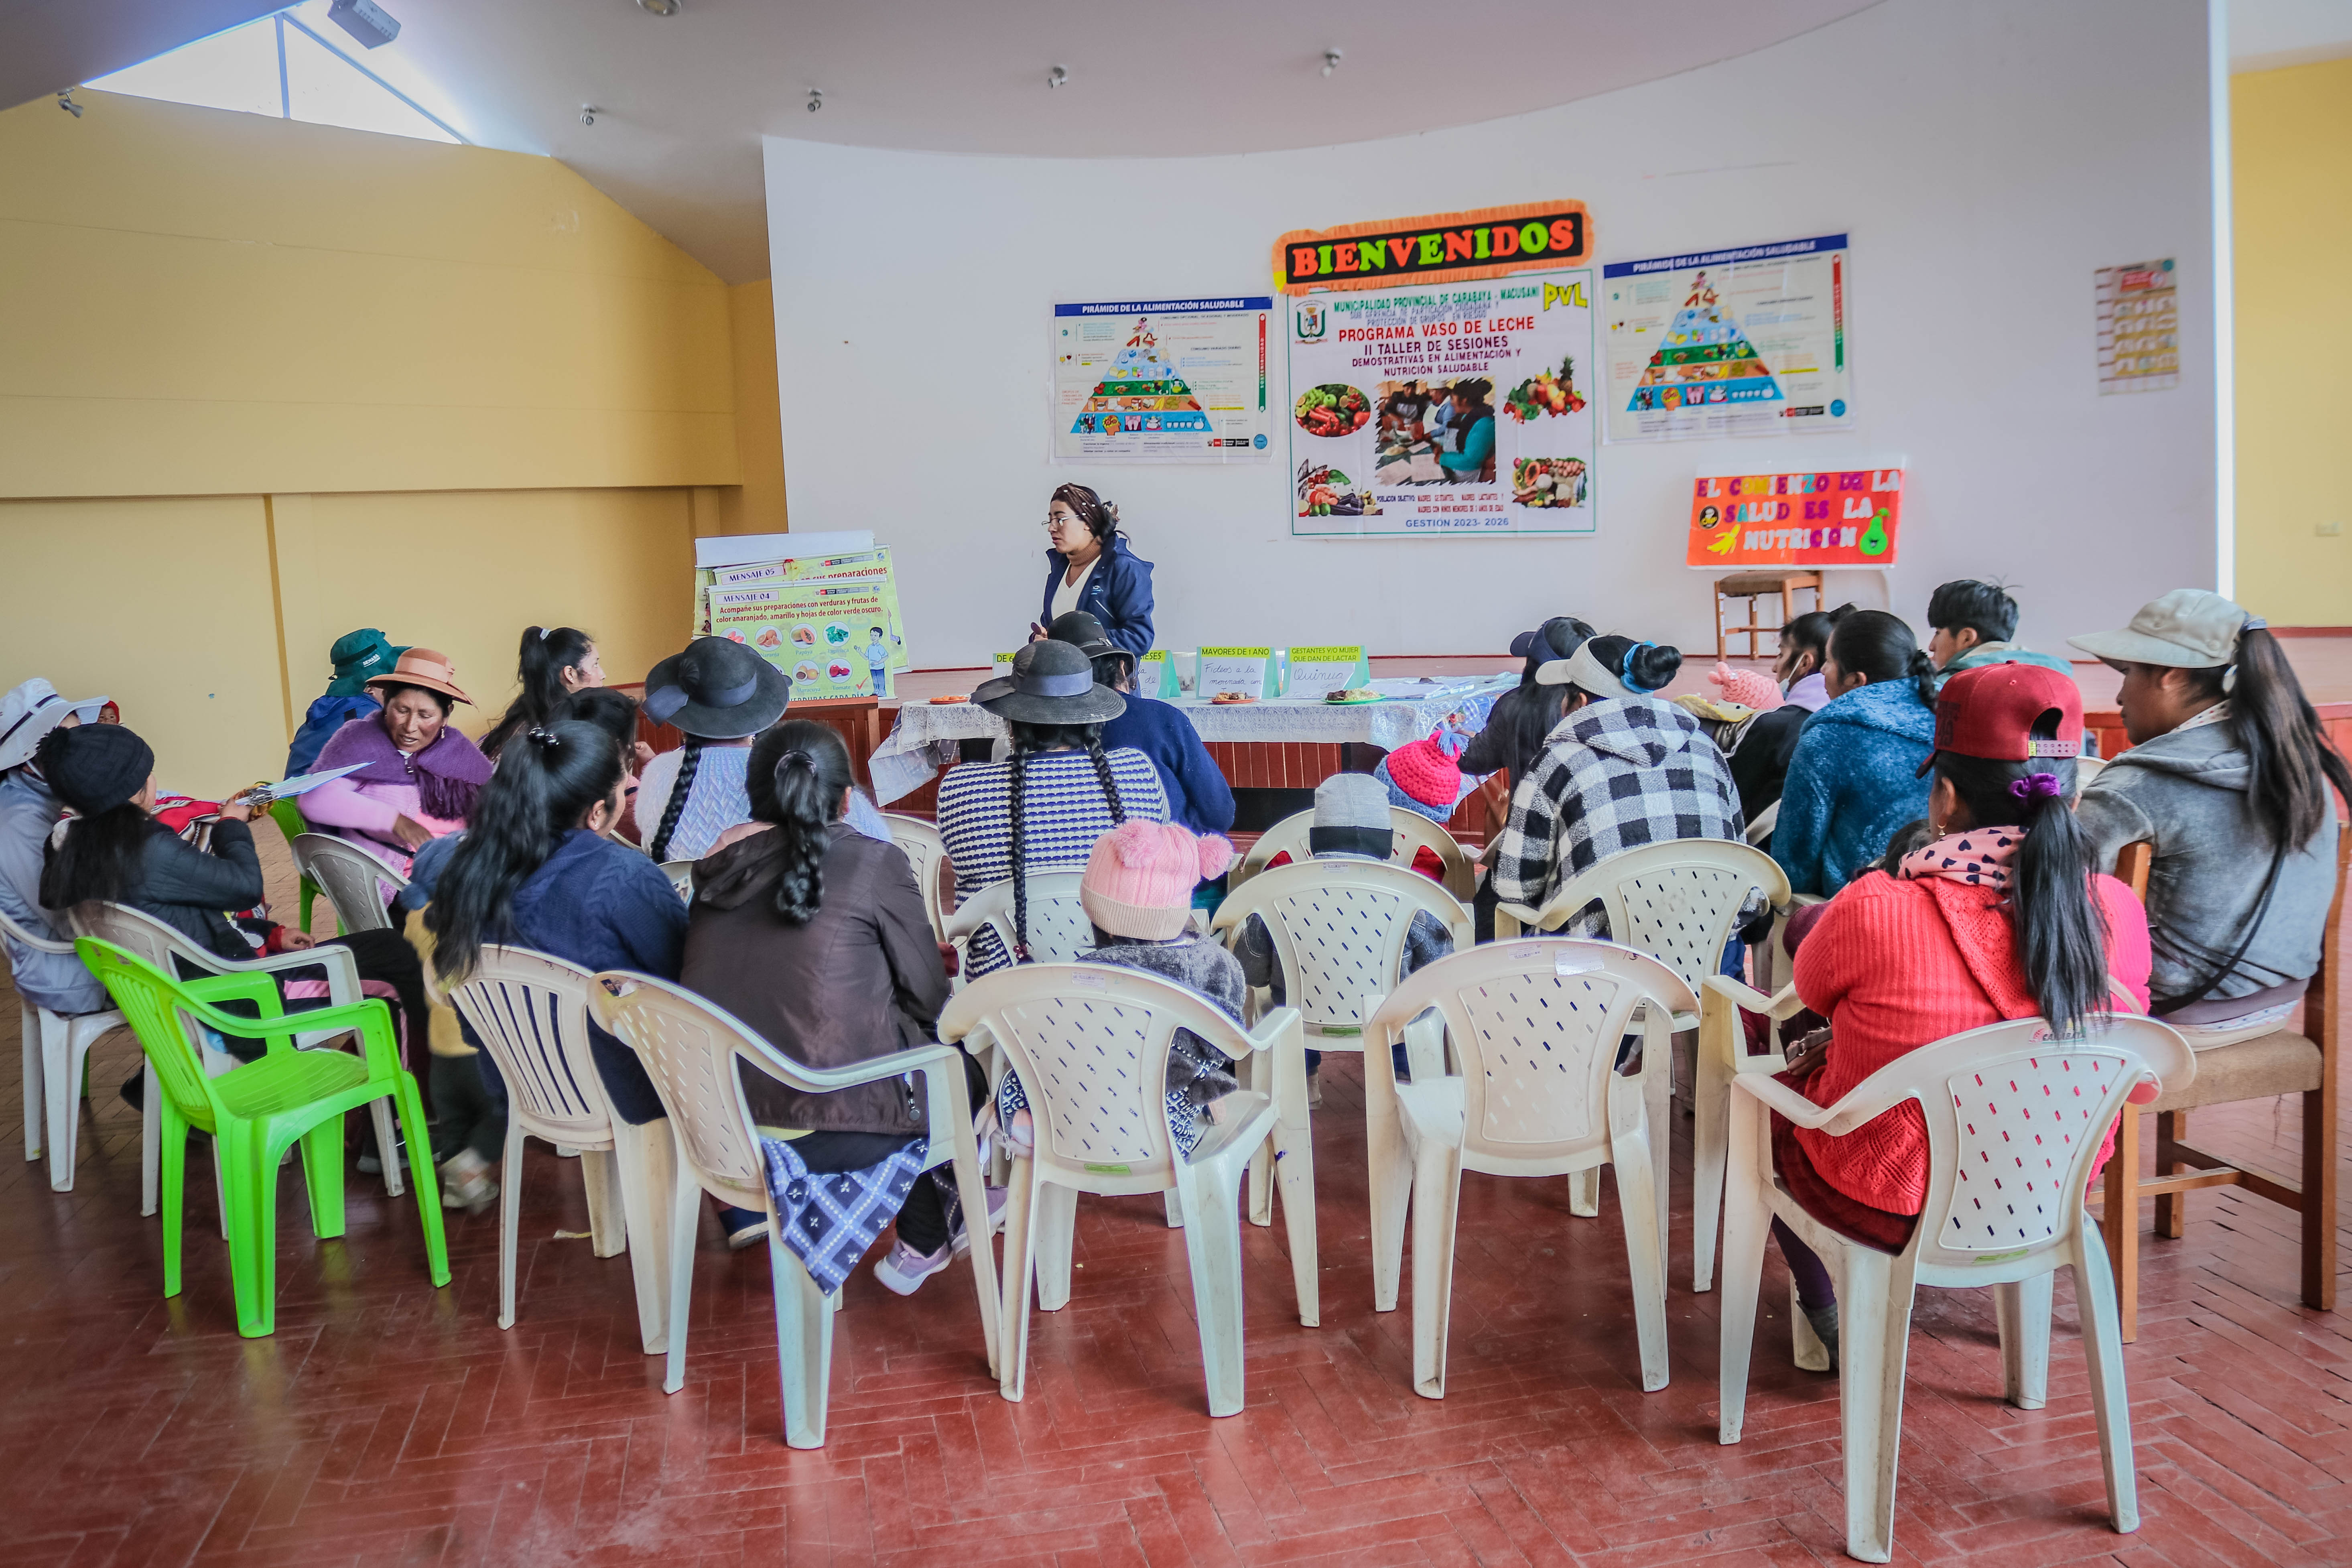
x,y
1457,408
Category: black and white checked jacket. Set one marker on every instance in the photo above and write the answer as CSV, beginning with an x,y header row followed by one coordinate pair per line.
x,y
1615,775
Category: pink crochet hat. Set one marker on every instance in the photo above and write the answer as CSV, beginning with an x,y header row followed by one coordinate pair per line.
x,y
1748,688
1423,776
1140,876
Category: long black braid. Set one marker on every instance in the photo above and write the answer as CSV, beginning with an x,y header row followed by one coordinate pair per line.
x,y
678,791
1028,738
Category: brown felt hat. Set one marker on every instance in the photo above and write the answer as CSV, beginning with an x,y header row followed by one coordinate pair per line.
x,y
424,666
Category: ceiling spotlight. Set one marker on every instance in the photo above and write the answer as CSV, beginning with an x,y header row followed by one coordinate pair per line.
x,y
661,7
66,102
587,114
816,99
1330,60
1057,77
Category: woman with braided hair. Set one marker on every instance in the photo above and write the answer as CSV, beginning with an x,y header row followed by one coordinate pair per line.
x,y
1043,807
815,936
721,694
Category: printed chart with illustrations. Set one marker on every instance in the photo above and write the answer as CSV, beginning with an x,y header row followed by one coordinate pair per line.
x,y
1443,409
1850,518
1751,341
1161,381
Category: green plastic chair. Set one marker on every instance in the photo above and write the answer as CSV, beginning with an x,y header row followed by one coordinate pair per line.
x,y
289,818
256,1112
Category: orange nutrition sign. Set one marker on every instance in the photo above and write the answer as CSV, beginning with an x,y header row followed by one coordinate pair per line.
x,y
1843,519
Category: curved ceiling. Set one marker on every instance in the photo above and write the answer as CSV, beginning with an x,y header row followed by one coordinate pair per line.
x,y
684,100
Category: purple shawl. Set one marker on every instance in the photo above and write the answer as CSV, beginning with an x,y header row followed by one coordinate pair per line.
x,y
449,774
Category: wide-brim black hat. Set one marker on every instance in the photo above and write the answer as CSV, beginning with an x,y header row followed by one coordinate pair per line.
x,y
718,689
1083,632
1052,683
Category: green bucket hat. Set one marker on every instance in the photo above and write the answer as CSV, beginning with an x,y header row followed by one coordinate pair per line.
x,y
359,657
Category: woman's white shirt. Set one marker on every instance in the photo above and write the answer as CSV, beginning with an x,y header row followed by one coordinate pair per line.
x,y
1065,593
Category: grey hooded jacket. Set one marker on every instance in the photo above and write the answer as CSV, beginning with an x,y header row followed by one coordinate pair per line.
x,y
2186,792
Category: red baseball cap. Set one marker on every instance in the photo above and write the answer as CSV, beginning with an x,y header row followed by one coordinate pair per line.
x,y
1993,711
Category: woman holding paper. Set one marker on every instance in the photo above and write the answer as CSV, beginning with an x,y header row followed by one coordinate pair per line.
x,y
1093,570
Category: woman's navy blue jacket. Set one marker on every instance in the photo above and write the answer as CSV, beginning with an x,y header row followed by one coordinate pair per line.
x,y
1118,592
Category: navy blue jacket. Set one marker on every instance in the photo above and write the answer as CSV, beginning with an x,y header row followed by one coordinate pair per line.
x,y
326,715
1198,796
1118,592
602,905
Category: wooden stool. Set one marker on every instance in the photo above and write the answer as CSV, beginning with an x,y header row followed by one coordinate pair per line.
x,y
1752,585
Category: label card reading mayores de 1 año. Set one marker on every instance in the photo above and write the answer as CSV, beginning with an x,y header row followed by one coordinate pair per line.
x,y
1317,671
1241,671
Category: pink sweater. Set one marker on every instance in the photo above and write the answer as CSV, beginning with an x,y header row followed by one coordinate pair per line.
x,y
1896,965
367,811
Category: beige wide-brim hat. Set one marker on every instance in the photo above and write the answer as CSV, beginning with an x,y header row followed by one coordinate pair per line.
x,y
2189,628
426,667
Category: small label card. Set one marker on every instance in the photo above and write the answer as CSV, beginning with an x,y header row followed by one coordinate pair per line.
x,y
1237,672
1316,672
1155,676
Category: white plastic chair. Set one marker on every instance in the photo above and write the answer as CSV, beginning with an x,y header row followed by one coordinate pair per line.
x,y
690,1049
1679,903
529,1010
925,851
56,1044
359,885
1411,831
142,934
1090,1042
1339,929
1535,1026
2015,1121
1059,927
681,877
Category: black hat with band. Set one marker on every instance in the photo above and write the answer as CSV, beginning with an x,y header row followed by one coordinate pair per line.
x,y
718,689
1052,683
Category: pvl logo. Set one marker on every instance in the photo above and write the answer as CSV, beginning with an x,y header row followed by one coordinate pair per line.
x,y
1310,323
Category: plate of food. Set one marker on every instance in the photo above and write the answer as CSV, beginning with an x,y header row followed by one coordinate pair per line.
x,y
1227,699
1352,695
950,699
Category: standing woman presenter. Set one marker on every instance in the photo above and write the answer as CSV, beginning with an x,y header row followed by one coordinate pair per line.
x,y
1092,569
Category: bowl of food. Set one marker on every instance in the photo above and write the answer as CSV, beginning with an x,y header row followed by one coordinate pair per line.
x,y
1332,409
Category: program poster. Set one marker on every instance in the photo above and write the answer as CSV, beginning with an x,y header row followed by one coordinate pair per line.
x,y
1161,381
831,635
2140,327
1840,519
1443,409
1751,341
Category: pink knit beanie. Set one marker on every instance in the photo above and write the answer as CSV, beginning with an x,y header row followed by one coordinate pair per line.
x,y
1423,776
1140,876
1748,688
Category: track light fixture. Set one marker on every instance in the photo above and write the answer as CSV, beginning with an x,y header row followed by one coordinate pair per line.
x,y
1331,61
816,99
660,7
66,102
1057,77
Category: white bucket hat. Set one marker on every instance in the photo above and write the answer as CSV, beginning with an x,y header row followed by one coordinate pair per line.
x,y
29,712
2189,628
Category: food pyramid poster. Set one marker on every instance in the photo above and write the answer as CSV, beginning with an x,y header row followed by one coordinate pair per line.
x,y
1705,358
1142,392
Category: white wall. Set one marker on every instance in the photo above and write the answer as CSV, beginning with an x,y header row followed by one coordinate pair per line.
x,y
1985,158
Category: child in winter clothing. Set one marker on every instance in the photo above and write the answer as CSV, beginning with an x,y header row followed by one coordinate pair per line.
x,y
1137,890
1853,777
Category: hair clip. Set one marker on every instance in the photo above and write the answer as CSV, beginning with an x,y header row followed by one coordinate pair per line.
x,y
543,631
2254,624
2037,786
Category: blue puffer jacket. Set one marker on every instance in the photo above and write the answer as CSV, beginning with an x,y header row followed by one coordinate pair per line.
x,y
1118,592
1852,780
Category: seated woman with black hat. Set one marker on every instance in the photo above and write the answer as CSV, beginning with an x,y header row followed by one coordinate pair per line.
x,y
417,776
112,850
1044,805
721,694
1197,795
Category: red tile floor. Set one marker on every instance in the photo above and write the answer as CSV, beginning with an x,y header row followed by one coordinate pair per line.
x,y
388,1422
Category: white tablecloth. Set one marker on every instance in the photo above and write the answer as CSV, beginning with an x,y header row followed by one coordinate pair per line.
x,y
1411,710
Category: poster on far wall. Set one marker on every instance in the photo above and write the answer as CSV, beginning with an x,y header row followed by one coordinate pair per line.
x,y
1747,341
1161,381
1849,517
2140,327
1444,408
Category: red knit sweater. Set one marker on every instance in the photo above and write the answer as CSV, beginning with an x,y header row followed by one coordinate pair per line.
x,y
1894,965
